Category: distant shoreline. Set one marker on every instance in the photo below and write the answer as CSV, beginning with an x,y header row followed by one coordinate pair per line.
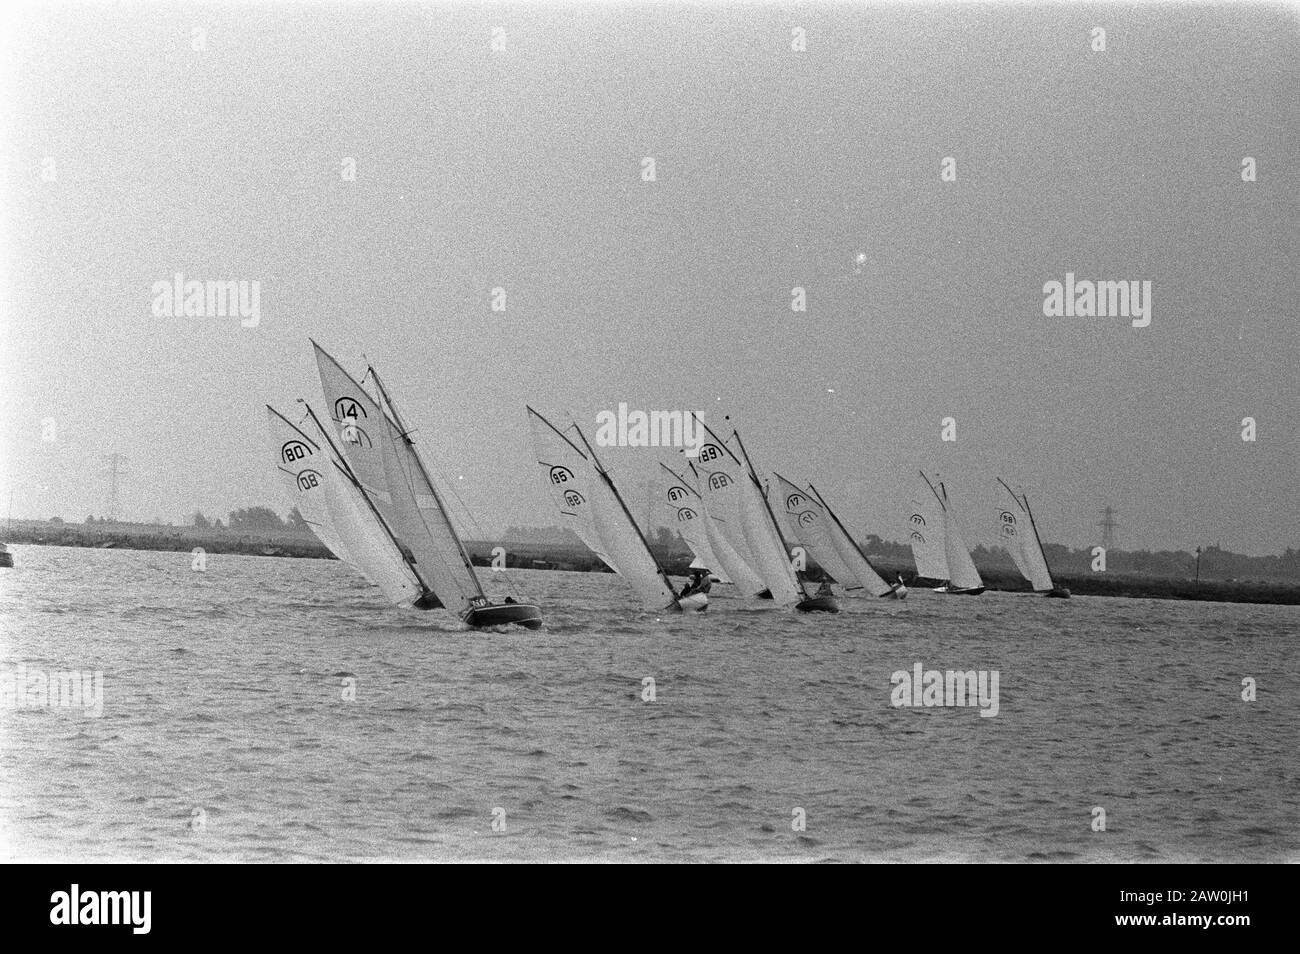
x,y
551,556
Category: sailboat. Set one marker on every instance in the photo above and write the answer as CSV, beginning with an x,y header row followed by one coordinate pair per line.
x,y
329,497
832,544
925,534
728,477
590,502
705,537
392,476
960,573
1019,535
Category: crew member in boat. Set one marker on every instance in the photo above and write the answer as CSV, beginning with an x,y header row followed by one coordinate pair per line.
x,y
698,583
825,588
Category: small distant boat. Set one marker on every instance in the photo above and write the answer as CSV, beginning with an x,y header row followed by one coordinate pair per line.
x,y
952,563
6,558
590,502
765,545
1019,533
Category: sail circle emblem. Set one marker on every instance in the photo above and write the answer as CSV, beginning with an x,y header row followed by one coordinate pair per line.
x,y
807,518
918,536
293,451
918,520
709,452
349,408
574,499
686,513
561,475
794,502
718,481
308,480
677,493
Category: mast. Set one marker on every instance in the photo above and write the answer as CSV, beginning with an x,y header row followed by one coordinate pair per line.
x,y
935,492
345,468
437,497
559,433
600,468
844,530
768,506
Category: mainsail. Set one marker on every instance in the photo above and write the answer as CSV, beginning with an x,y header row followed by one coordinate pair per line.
x,y
568,477
851,554
961,568
962,574
617,537
619,532
335,509
304,472
730,566
390,473
683,507
720,476
925,534
1020,536
728,478
812,527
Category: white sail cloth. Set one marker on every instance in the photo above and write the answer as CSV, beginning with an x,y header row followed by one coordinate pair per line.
x,y
337,513
1017,533
926,536
385,463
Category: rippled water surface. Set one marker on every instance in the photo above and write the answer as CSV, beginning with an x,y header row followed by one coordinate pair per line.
x,y
225,734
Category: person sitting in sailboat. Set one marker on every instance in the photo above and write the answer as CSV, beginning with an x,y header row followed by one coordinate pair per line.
x,y
698,583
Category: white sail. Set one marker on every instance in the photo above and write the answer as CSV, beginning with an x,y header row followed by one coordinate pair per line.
x,y
338,514
1017,533
851,554
1011,535
961,568
683,508
720,475
421,516
385,464
764,548
372,550
624,541
714,549
925,534
812,528
304,469
568,475
734,569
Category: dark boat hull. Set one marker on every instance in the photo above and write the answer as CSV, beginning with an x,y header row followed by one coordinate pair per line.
x,y
6,559
967,591
818,604
504,614
1057,593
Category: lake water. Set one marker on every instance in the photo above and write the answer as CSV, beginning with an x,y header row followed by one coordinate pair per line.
x,y
225,733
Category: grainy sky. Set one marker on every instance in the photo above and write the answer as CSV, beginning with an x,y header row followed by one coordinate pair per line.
x,y
522,169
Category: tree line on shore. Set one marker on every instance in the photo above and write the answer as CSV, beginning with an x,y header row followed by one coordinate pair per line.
x,y
1215,563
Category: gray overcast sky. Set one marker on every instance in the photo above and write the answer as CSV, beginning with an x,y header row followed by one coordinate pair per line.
x,y
774,168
